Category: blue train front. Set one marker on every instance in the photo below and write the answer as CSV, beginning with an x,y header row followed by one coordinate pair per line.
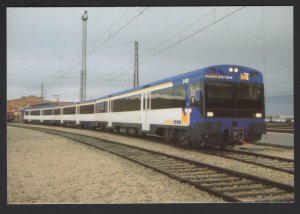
x,y
227,104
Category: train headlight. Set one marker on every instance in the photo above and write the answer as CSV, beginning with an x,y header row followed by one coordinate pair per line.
x,y
258,115
230,69
210,114
236,70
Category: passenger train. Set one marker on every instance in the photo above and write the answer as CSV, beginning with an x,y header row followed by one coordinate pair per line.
x,y
221,105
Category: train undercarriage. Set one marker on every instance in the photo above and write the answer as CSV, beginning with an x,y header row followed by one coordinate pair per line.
x,y
205,134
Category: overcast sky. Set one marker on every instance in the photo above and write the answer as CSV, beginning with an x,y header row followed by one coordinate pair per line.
x,y
44,46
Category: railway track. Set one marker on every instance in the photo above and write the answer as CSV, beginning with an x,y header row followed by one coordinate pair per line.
x,y
273,145
230,185
267,161
280,128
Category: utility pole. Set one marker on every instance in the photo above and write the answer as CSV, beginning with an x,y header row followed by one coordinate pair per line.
x,y
84,18
136,65
57,98
42,92
264,38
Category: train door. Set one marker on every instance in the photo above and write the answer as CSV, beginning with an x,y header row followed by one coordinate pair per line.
x,y
146,106
77,114
110,109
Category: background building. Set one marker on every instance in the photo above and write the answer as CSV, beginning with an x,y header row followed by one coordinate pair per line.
x,y
16,105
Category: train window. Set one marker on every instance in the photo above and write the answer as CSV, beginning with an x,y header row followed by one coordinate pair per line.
x,y
101,107
131,103
173,97
87,109
161,99
47,112
178,96
57,111
26,112
70,110
195,86
219,91
249,92
38,112
249,96
219,95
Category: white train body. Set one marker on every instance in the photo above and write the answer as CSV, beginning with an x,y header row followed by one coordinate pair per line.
x,y
140,118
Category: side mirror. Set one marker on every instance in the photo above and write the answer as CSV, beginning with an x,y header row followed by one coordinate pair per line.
x,y
198,96
195,100
192,101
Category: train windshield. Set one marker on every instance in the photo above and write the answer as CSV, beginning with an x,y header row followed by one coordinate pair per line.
x,y
234,99
219,96
249,97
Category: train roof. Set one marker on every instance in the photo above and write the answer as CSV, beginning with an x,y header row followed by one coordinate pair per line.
x,y
173,79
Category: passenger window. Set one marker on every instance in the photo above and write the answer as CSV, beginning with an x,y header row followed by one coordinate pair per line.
x,y
101,107
173,97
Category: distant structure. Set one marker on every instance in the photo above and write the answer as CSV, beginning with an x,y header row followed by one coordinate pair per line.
x,y
84,18
136,65
15,105
42,91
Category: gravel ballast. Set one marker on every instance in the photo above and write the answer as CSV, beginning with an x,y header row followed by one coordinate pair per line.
x,y
43,168
194,155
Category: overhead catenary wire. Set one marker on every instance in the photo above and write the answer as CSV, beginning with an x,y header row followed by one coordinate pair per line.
x,y
110,27
74,54
169,37
93,50
44,57
111,36
69,70
119,30
66,56
192,34
187,37
114,34
169,27
179,32
128,42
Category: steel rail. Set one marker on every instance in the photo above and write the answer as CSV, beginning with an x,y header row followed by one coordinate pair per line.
x,y
267,161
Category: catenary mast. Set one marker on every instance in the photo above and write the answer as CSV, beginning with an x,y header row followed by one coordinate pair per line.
x,y
136,65
84,18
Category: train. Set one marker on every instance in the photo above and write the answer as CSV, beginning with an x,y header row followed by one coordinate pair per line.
x,y
220,105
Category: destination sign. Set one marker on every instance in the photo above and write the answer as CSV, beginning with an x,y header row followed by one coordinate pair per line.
x,y
214,76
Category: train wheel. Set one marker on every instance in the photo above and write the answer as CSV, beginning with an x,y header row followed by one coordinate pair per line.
x,y
184,139
222,147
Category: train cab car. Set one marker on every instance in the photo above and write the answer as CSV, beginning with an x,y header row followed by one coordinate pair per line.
x,y
227,106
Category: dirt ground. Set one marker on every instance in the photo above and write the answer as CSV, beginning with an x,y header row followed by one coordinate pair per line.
x,y
44,168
